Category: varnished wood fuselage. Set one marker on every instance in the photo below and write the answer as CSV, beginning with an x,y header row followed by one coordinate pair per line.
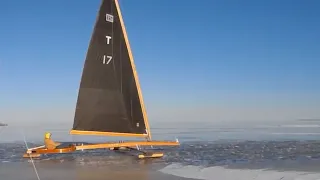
x,y
37,152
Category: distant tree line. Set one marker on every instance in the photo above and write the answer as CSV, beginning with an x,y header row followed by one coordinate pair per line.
x,y
2,124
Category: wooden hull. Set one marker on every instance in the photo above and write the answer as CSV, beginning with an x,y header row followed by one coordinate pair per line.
x,y
37,152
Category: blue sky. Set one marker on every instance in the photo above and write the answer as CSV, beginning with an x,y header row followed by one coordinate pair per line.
x,y
204,60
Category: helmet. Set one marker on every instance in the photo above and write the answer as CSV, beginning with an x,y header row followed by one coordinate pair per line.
x,y
47,135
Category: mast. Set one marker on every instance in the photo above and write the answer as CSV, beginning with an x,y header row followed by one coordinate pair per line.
x,y
145,117
110,100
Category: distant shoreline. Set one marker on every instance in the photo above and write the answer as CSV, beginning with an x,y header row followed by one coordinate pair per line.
x,y
309,120
2,124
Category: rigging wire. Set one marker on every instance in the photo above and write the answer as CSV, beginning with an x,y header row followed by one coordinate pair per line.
x,y
34,166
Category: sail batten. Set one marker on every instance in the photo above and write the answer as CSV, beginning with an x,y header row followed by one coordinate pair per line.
x,y
109,99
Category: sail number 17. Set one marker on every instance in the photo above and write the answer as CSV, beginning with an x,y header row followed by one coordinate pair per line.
x,y
106,59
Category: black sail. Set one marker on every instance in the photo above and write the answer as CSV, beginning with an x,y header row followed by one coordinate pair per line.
x,y
108,99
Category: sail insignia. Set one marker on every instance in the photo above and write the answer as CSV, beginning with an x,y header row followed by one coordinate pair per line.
x,y
110,100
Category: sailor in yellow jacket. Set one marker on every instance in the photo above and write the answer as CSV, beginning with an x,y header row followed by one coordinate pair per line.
x,y
49,143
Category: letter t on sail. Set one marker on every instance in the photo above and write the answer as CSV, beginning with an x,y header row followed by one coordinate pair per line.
x,y
108,39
